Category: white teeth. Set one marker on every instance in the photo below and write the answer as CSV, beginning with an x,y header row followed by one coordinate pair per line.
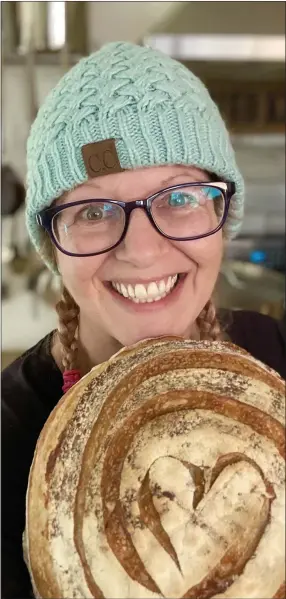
x,y
130,291
123,290
152,292
140,292
169,284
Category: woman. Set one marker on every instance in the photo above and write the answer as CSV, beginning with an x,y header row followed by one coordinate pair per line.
x,y
132,189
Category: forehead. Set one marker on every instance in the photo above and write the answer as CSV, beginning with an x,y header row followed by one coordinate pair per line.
x,y
135,183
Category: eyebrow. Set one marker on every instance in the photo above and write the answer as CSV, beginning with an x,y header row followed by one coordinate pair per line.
x,y
63,199
92,184
181,174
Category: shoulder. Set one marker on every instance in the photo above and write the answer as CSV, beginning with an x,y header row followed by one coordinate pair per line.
x,y
30,389
31,386
262,336
33,374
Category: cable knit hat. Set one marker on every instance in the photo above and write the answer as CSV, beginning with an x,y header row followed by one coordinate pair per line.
x,y
157,111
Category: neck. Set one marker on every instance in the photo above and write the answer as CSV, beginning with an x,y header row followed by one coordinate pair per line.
x,y
94,346
98,347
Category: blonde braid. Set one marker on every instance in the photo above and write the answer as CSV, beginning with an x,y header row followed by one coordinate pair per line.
x,y
68,312
208,323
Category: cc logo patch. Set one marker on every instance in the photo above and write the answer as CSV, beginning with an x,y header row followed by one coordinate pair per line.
x,y
101,158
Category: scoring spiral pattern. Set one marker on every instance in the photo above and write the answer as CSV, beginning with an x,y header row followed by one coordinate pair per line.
x,y
161,474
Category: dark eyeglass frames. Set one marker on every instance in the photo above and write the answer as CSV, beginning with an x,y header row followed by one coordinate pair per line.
x,y
182,212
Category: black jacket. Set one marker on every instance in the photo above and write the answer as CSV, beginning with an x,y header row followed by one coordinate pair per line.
x,y
32,386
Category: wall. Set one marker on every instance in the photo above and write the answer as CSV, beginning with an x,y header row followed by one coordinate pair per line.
x,y
16,109
113,21
227,17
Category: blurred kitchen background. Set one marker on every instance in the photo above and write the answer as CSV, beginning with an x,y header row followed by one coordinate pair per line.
x,y
237,48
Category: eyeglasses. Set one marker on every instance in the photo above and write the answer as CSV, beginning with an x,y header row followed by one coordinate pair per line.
x,y
181,212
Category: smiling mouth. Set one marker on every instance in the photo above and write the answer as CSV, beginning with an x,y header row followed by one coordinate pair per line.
x,y
153,291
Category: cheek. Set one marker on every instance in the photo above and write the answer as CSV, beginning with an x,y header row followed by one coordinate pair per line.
x,y
205,253
79,275
206,256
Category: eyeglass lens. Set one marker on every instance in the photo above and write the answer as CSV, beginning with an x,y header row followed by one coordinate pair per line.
x,y
180,213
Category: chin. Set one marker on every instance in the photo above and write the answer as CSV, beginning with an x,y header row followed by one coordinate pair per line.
x,y
127,338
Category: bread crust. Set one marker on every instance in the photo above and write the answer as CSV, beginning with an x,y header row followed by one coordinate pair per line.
x,y
162,474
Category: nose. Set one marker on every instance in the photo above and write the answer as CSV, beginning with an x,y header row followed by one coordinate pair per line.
x,y
142,245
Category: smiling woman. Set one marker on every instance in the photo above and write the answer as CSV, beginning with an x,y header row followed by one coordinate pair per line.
x,y
139,261
132,190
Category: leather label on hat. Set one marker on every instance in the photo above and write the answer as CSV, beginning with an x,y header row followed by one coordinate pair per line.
x,y
100,158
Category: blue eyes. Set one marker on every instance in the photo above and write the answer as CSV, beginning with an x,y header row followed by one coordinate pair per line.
x,y
181,198
178,198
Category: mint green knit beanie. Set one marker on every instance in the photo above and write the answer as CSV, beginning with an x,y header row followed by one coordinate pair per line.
x,y
155,108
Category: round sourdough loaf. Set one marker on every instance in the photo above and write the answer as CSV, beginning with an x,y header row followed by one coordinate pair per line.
x,y
162,474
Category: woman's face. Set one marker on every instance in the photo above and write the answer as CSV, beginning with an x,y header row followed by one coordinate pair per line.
x,y
143,257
